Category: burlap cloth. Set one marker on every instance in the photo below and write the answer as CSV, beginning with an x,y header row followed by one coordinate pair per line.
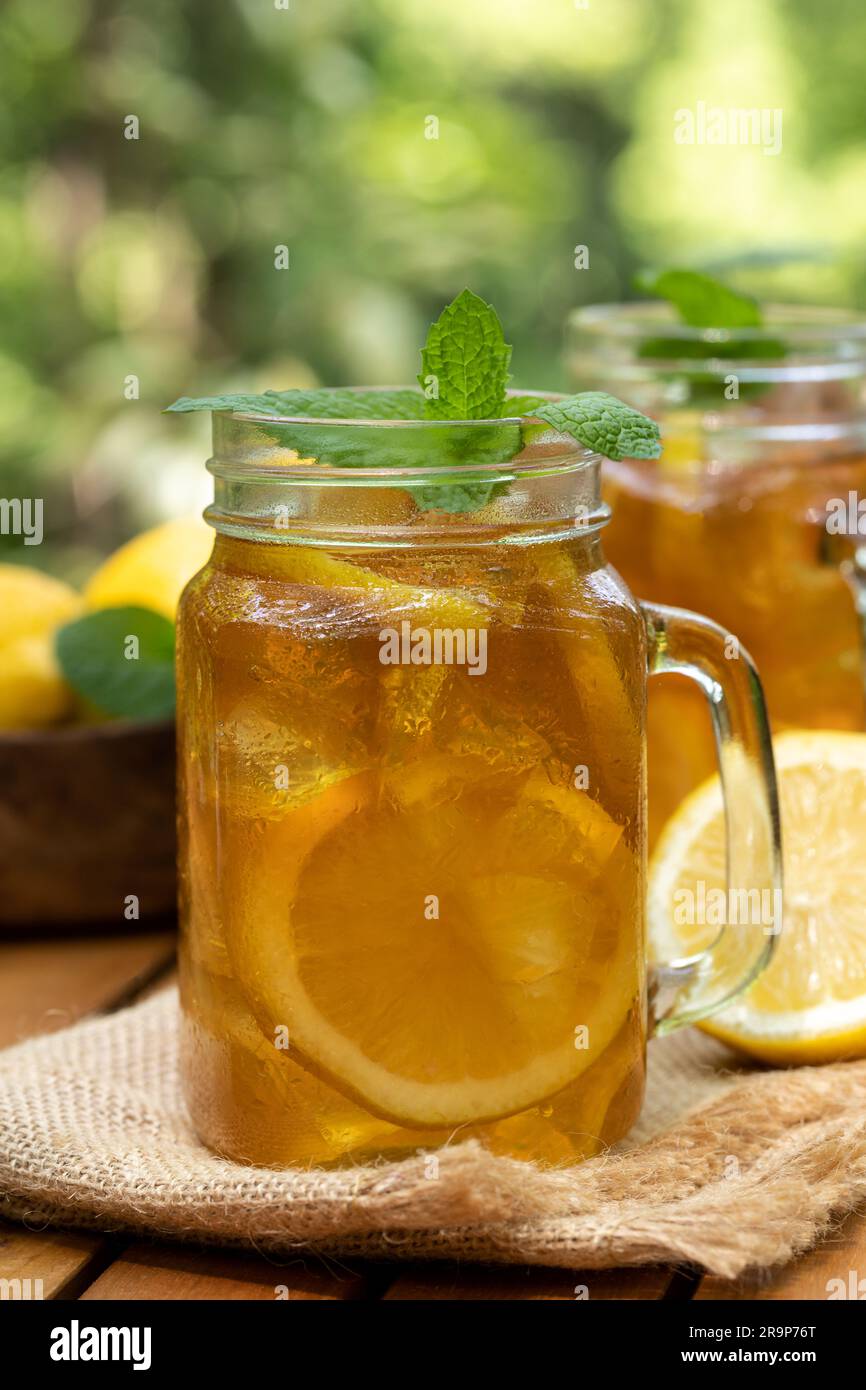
x,y
728,1170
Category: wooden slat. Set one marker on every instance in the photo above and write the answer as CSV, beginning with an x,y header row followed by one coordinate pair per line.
x,y
46,985
455,1281
155,1272
841,1256
54,1262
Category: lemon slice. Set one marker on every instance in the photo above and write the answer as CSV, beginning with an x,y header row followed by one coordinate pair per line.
x,y
809,1005
435,961
383,597
601,678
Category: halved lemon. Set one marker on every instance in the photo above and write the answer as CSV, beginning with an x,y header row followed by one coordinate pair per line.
x,y
32,606
152,569
434,959
809,1005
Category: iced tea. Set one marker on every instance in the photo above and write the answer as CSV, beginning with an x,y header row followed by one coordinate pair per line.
x,y
732,520
409,915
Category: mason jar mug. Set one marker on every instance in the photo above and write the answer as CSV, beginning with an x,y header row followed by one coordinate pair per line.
x,y
412,799
752,514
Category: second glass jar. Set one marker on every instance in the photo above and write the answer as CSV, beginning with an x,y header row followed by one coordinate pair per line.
x,y
750,515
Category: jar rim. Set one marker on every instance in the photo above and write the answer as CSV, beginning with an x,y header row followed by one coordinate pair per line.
x,y
402,477
806,325
298,481
316,450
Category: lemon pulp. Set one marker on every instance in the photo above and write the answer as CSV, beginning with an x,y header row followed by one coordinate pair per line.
x,y
809,1005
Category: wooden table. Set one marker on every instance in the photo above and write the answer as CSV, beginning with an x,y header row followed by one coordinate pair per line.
x,y
46,984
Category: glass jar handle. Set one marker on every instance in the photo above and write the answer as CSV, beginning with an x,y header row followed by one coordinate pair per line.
x,y
682,643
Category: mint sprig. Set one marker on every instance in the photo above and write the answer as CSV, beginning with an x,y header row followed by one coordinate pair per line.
x,y
121,660
465,361
464,376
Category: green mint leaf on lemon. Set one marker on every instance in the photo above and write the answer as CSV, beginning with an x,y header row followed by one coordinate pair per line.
x,y
604,424
465,361
121,660
701,301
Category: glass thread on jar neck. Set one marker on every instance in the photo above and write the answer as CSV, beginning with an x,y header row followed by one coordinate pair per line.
x,y
547,491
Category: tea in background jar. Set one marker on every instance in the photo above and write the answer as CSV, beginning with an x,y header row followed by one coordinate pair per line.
x,y
750,513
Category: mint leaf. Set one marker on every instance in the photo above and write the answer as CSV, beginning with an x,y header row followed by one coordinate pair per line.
x,y
405,403
688,350
467,356
130,680
259,405
604,424
454,498
701,301
515,406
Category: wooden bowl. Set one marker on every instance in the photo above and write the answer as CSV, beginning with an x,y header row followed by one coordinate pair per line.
x,y
87,818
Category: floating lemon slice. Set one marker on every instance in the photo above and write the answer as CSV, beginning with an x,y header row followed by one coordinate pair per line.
x,y
608,695
435,964
810,1004
383,597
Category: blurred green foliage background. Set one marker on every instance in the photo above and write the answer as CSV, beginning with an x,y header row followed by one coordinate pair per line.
x,y
304,123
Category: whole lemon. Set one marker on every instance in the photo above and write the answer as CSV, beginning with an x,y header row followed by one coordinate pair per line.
x,y
32,606
152,569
